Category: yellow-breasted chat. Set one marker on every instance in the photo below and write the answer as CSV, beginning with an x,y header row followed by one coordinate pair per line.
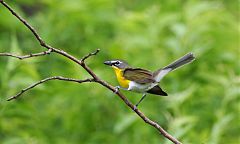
x,y
144,81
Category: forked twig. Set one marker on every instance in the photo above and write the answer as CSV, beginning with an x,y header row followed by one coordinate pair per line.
x,y
90,54
27,56
81,62
48,79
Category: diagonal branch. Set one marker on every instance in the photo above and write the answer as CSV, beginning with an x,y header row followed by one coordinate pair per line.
x,y
48,79
27,56
95,78
24,22
139,113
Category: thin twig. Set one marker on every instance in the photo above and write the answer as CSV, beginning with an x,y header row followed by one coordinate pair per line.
x,y
48,79
42,43
89,55
25,23
27,56
95,77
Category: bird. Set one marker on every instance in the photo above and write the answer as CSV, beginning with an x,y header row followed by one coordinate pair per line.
x,y
144,81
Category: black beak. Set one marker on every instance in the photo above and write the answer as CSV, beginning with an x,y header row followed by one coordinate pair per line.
x,y
108,63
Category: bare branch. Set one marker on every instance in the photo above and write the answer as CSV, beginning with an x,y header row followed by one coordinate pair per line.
x,y
48,79
89,55
27,56
139,113
24,22
42,43
82,63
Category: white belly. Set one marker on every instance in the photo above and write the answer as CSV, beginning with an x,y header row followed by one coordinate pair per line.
x,y
141,88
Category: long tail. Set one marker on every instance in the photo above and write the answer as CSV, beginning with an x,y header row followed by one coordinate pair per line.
x,y
181,61
159,74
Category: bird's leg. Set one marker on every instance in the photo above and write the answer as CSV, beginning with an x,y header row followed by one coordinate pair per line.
x,y
144,95
117,89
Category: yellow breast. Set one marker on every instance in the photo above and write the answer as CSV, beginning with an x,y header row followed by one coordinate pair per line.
x,y
122,81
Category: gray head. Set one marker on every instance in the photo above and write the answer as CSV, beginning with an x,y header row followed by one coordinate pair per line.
x,y
117,63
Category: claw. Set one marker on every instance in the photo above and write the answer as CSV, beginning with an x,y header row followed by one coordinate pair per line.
x,y
117,89
135,107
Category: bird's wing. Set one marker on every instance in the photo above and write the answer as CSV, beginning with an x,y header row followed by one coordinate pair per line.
x,y
138,75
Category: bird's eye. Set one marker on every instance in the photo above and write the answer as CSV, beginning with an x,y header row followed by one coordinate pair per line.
x,y
117,62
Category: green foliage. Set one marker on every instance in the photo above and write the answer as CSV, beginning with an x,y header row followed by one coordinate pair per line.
x,y
203,102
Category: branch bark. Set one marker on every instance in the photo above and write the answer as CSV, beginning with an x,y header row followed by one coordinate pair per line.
x,y
81,62
48,79
27,56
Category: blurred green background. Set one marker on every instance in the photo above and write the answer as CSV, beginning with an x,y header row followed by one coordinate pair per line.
x,y
203,105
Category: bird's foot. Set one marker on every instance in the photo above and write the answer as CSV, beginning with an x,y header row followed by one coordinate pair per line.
x,y
135,107
116,89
